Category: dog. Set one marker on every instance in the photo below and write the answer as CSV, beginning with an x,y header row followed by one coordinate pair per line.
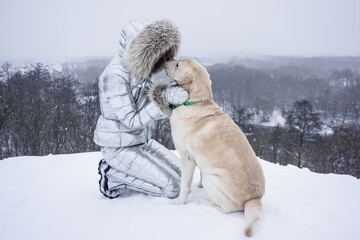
x,y
208,138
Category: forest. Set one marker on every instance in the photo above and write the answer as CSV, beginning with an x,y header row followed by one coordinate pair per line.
x,y
293,110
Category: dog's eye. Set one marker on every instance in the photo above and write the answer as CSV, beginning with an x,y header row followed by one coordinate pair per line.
x,y
177,65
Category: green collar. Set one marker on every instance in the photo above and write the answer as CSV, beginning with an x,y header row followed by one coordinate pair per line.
x,y
185,104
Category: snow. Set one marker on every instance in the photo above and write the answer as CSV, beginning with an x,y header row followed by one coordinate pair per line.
x,y
57,197
276,119
326,130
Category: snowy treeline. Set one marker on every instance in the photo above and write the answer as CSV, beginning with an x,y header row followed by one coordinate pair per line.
x,y
317,100
320,107
45,111
334,92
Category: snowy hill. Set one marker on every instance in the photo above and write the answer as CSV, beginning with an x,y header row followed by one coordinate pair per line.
x,y
57,197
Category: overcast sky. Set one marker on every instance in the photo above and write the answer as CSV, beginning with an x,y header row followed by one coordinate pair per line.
x,y
48,30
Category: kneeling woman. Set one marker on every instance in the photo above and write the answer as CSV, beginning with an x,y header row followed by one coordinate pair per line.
x,y
131,160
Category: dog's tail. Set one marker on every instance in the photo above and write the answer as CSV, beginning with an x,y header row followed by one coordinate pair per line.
x,y
253,215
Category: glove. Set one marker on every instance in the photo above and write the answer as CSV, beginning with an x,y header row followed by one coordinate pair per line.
x,y
175,95
164,95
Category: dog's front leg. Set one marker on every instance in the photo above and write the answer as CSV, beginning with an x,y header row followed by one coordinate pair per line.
x,y
187,173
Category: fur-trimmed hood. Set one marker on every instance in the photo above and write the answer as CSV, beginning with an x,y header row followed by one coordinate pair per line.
x,y
146,47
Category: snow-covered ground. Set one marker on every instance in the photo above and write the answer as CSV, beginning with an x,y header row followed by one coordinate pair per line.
x,y
57,197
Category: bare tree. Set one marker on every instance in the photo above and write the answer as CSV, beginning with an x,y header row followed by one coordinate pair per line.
x,y
302,122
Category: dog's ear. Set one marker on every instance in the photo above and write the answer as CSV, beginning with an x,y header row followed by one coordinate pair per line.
x,y
188,78
186,83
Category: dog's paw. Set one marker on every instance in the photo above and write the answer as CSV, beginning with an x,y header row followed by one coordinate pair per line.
x,y
177,201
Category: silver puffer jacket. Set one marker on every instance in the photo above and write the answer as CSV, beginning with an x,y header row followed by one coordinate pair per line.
x,y
122,130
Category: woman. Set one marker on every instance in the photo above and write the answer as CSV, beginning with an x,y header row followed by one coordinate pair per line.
x,y
131,159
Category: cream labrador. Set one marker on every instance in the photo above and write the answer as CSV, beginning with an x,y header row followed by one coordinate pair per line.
x,y
206,137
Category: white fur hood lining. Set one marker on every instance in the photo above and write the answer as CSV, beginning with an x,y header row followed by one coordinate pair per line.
x,y
149,47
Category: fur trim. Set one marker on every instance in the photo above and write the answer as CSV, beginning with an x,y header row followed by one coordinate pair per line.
x,y
156,96
151,48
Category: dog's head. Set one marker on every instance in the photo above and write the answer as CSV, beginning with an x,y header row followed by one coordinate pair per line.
x,y
192,76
